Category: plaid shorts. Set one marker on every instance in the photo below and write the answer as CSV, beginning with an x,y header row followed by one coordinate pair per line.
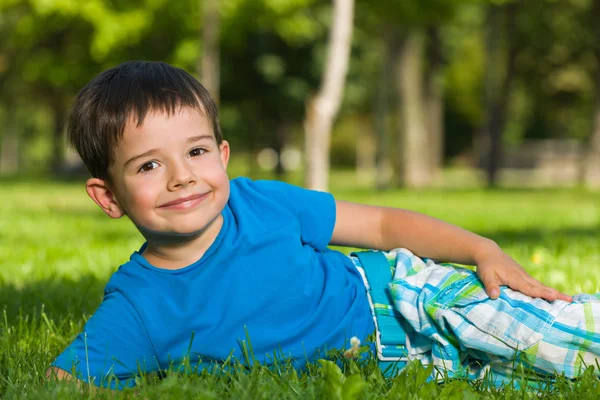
x,y
441,314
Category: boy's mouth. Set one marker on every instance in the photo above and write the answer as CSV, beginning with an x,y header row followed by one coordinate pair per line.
x,y
185,202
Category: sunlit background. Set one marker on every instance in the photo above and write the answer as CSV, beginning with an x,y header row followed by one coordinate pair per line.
x,y
437,93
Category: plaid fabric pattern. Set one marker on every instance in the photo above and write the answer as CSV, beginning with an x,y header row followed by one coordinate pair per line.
x,y
447,319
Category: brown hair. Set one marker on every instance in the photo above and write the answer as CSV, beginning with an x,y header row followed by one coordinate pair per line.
x,y
128,92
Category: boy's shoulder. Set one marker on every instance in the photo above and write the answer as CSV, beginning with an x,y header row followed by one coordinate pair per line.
x,y
257,198
274,190
245,183
131,276
244,190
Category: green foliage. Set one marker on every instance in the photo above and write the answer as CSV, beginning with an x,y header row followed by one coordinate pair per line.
x,y
413,13
272,54
292,20
339,386
464,73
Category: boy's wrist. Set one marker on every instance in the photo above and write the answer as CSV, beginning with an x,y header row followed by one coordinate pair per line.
x,y
484,250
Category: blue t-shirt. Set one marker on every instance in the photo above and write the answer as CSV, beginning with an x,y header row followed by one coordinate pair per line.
x,y
268,276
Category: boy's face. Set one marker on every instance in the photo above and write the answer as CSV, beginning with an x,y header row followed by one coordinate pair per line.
x,y
169,175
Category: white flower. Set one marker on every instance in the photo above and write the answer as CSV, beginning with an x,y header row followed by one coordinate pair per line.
x,y
354,349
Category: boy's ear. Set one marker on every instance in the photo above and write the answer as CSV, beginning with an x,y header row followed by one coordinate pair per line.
x,y
224,149
100,192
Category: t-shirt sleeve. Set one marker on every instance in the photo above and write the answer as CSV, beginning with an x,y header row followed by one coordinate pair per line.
x,y
113,344
315,210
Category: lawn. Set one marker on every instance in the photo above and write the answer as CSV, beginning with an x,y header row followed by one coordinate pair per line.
x,y
57,251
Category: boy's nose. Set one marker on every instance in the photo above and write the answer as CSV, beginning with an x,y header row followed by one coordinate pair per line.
x,y
181,176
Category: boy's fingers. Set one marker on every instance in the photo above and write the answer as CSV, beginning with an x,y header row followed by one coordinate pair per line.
x,y
531,287
534,288
519,281
553,294
491,283
493,291
565,297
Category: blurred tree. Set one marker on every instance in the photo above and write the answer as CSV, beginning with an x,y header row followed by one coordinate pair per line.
x,y
9,137
38,58
434,98
322,109
55,47
591,162
416,165
273,52
9,143
464,111
543,53
410,32
209,65
555,77
500,71
381,110
273,58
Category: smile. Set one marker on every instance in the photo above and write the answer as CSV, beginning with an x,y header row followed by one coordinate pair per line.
x,y
185,202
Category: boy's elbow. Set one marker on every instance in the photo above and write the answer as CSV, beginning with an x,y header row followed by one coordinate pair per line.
x,y
57,374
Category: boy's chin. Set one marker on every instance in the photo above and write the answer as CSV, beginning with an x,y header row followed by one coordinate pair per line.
x,y
173,237
170,236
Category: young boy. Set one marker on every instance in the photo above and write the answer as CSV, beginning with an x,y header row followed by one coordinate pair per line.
x,y
224,259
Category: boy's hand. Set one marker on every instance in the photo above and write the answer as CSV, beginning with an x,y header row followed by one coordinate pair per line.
x,y
496,268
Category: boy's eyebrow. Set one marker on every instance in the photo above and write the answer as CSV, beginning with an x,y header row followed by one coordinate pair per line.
x,y
198,138
144,154
152,151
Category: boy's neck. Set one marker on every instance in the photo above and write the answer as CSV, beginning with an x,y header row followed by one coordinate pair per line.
x,y
180,254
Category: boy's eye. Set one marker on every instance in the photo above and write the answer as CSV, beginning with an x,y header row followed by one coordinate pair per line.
x,y
198,151
149,166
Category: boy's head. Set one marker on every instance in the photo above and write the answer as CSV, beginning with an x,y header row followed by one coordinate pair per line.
x,y
124,95
149,135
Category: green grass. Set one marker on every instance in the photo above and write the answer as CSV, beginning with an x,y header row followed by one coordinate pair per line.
x,y
57,251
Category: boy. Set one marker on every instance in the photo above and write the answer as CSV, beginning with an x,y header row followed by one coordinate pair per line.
x,y
223,257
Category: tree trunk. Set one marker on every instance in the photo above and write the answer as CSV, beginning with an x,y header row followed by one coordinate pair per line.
x,y
9,145
414,140
591,162
322,109
280,140
434,99
497,87
591,165
58,136
491,136
209,65
366,148
253,170
382,107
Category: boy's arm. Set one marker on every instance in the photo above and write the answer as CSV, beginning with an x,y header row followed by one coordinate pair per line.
x,y
386,228
113,343
55,373
58,374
